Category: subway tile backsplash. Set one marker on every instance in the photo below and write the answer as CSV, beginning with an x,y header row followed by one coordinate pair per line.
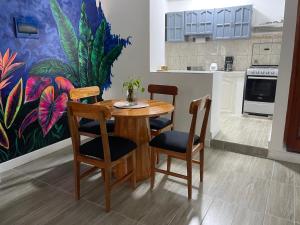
x,y
181,55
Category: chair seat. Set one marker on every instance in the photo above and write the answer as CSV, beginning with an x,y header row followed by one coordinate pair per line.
x,y
159,123
118,147
92,126
173,141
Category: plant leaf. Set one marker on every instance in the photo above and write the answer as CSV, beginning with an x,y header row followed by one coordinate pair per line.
x,y
53,67
13,104
4,142
84,48
35,86
50,110
64,84
67,35
106,64
29,119
98,50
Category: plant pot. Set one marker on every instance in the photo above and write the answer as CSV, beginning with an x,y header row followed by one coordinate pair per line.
x,y
131,97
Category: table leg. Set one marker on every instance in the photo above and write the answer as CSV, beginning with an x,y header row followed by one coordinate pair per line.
x,y
137,130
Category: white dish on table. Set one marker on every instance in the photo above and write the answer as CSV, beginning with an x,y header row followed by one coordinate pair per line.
x,y
127,105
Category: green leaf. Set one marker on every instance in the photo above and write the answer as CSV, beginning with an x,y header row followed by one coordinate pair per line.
x,y
84,49
67,35
54,67
106,63
4,141
98,50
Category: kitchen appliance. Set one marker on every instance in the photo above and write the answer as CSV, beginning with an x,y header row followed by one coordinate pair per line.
x,y
228,63
260,89
213,67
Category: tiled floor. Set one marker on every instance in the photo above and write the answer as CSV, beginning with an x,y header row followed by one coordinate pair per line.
x,y
237,190
245,130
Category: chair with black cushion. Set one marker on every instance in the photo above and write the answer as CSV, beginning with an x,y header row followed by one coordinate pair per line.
x,y
160,124
182,145
88,127
103,152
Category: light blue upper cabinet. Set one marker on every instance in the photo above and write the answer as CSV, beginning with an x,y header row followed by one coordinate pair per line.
x,y
242,19
223,23
233,22
175,26
191,22
205,21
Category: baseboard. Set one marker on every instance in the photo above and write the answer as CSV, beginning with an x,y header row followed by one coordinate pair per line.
x,y
34,155
284,156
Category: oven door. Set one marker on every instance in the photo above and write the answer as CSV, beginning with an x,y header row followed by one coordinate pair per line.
x,y
260,89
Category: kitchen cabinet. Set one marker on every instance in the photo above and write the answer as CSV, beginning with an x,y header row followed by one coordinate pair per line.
x,y
175,26
199,22
206,21
233,22
242,19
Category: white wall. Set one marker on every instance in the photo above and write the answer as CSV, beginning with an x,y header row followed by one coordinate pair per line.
x,y
277,149
264,10
157,34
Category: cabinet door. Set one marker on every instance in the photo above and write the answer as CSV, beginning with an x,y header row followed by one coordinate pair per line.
x,y
175,26
205,21
223,23
191,20
242,19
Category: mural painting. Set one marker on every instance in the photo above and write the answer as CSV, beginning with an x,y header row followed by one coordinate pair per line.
x,y
75,48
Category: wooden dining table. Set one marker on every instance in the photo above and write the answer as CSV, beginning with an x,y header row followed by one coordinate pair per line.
x,y
134,125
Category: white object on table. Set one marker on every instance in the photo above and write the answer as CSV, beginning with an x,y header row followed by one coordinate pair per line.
x,y
127,105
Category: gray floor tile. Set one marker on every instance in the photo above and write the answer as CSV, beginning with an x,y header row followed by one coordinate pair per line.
x,y
244,216
281,201
220,213
115,218
283,172
261,168
272,220
297,204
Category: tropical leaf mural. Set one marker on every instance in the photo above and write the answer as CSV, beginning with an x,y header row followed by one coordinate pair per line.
x,y
13,104
35,86
50,109
29,119
75,49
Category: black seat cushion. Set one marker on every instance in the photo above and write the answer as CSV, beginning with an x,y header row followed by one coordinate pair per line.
x,y
159,123
173,140
92,126
118,147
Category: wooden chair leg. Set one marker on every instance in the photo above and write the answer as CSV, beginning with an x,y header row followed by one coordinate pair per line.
x,y
103,174
201,153
189,178
157,158
169,161
152,167
133,178
77,179
107,188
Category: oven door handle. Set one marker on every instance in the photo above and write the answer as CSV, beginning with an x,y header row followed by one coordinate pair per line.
x,y
261,78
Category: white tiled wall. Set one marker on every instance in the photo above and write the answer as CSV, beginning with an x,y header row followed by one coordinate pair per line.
x,y
181,55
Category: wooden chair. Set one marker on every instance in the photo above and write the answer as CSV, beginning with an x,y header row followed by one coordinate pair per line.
x,y
181,145
103,152
88,127
160,124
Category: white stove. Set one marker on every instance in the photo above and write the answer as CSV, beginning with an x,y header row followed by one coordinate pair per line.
x,y
260,89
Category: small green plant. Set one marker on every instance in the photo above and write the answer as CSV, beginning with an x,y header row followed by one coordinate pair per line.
x,y
131,86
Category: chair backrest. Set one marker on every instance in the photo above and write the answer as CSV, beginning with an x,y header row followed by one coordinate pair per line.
x,y
85,92
88,111
202,104
164,90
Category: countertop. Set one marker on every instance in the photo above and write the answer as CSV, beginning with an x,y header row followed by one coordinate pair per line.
x,y
201,72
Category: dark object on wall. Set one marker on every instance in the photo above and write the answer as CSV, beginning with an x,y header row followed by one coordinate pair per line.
x,y
27,27
292,127
228,63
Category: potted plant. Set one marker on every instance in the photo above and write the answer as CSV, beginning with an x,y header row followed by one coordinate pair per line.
x,y
132,87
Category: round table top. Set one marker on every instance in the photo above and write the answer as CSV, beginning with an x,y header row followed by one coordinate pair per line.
x,y
155,108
